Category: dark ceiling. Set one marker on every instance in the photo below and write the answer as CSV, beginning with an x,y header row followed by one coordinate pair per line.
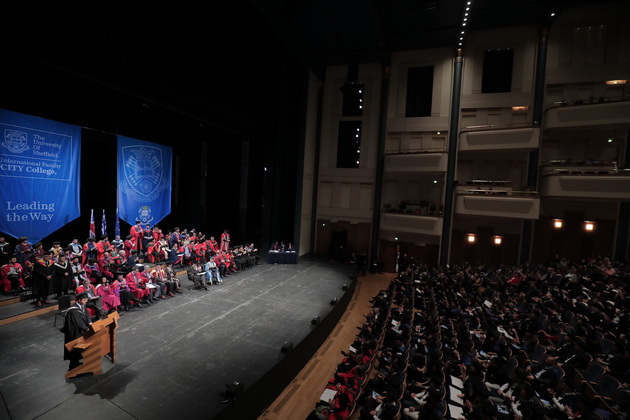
x,y
225,63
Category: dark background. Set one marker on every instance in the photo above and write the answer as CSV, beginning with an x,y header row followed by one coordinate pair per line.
x,y
215,88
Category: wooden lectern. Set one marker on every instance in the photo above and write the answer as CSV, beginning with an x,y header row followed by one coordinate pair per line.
x,y
98,341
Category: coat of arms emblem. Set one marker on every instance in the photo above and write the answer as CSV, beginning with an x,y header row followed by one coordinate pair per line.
x,y
15,141
144,178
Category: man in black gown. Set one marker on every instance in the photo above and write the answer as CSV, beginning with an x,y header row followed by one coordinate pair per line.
x,y
75,323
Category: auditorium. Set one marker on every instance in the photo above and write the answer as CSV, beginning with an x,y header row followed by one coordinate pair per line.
x,y
382,210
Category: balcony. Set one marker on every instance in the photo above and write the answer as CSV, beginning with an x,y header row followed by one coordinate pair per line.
x,y
581,180
503,137
411,223
575,116
496,199
416,163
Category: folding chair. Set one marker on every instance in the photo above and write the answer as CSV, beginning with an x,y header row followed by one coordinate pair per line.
x,y
64,305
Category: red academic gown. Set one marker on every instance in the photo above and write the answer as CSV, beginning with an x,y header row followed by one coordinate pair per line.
x,y
225,241
4,275
129,244
101,248
134,281
136,233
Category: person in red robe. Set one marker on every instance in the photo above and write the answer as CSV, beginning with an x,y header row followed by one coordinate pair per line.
x,y
107,265
11,276
200,250
225,240
102,246
94,303
152,252
110,301
157,234
213,245
163,249
137,284
136,234
129,244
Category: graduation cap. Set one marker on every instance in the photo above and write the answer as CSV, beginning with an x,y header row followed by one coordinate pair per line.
x,y
81,296
22,238
56,243
103,236
90,239
37,245
128,236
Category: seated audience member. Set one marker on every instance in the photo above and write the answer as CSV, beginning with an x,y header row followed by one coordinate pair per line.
x,y
111,302
119,286
93,271
11,276
94,301
197,276
212,272
171,277
137,284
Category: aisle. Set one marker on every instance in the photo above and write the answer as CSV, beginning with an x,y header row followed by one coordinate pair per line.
x,y
299,398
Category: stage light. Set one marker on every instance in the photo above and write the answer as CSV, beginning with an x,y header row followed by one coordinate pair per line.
x,y
333,302
558,223
471,238
498,239
616,82
519,108
315,320
589,226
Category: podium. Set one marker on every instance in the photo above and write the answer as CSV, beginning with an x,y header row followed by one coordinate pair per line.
x,y
98,341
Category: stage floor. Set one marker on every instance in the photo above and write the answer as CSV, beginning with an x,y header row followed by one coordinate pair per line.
x,y
175,356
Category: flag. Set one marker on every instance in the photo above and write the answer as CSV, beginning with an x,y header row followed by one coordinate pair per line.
x,y
103,224
117,227
92,228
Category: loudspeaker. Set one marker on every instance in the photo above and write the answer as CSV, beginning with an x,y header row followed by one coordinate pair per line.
x,y
315,320
287,347
234,390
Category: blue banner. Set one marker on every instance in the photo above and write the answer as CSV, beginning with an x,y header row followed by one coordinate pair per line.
x,y
144,181
39,174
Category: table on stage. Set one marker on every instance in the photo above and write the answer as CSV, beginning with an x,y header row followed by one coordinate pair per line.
x,y
282,257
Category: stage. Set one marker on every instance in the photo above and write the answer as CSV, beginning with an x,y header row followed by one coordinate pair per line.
x,y
175,356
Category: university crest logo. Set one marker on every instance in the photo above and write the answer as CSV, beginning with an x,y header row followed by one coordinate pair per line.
x,y
144,178
144,214
15,141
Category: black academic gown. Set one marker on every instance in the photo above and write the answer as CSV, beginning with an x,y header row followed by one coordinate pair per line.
x,y
75,324
62,280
